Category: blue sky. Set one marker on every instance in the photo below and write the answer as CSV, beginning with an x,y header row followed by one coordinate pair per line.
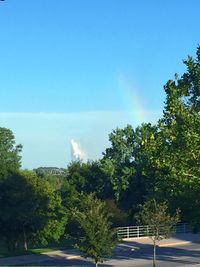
x,y
80,68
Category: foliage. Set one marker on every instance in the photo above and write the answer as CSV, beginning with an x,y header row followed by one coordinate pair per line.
x,y
178,165
127,161
156,216
117,160
89,177
119,217
98,238
162,160
9,153
30,210
55,176
159,221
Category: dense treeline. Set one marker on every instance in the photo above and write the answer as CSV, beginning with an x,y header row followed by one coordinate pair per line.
x,y
160,161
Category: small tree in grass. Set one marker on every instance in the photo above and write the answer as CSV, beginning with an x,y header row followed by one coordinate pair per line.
x,y
97,237
160,222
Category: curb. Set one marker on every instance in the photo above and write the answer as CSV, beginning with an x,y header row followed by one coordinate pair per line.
x,y
36,258
175,244
73,257
62,253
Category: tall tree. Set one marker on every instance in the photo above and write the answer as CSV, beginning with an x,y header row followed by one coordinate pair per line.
x,y
10,159
30,210
127,163
178,165
97,237
162,160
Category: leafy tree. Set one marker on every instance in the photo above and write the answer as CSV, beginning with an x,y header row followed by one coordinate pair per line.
x,y
71,198
159,221
89,177
9,153
119,216
118,159
178,164
97,238
162,160
127,162
30,210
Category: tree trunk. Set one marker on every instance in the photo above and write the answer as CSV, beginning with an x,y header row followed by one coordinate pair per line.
x,y
25,240
96,264
154,254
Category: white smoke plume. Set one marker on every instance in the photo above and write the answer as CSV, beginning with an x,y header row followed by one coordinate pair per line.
x,y
77,152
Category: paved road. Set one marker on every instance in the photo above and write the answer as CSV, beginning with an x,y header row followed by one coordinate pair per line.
x,y
125,256
179,255
134,252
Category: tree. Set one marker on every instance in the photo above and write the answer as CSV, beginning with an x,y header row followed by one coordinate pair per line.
x,y
30,210
160,222
89,177
117,161
127,163
97,238
9,153
177,165
162,160
119,217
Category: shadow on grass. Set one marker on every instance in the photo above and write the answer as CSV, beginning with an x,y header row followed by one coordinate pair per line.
x,y
62,245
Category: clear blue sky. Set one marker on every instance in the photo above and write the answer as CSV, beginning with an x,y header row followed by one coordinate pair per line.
x,y
80,68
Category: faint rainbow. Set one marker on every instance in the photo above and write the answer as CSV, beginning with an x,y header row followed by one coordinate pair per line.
x,y
131,97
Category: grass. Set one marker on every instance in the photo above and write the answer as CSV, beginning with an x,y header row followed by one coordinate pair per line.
x,y
5,253
43,250
63,244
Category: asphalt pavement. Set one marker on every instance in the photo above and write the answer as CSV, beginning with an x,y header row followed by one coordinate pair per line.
x,y
182,250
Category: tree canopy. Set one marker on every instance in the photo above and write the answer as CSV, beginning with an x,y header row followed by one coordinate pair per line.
x,y
10,159
97,238
162,160
30,210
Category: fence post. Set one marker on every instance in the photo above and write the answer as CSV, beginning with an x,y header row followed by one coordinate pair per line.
x,y
127,232
138,231
118,235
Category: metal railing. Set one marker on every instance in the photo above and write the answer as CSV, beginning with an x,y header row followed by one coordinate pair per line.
x,y
145,230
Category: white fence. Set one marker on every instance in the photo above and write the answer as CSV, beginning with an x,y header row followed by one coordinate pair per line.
x,y
145,230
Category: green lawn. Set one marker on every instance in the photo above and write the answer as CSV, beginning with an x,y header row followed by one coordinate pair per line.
x,y
64,244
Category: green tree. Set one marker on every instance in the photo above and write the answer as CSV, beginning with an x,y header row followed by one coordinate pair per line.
x,y
9,153
127,163
30,210
117,161
178,162
160,222
97,237
89,177
119,217
162,160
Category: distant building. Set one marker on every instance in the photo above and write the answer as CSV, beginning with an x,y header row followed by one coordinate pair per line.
x,y
50,171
